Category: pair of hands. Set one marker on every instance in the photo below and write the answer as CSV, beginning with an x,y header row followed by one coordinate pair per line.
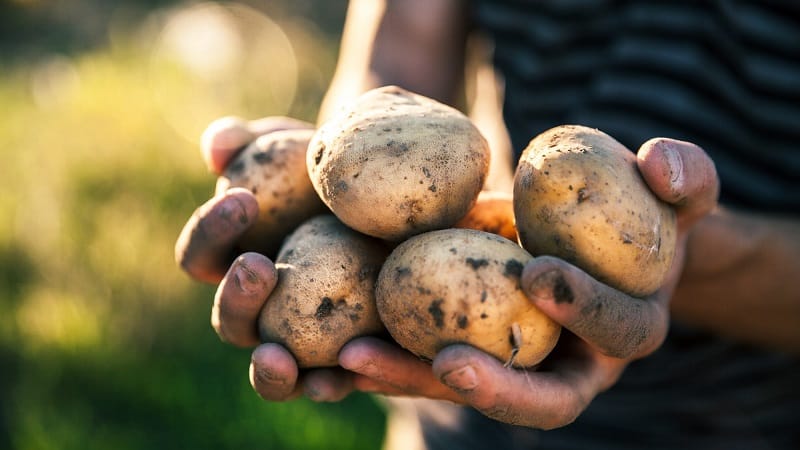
x,y
604,329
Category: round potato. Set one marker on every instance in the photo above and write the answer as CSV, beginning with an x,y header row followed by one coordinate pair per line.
x,y
393,164
325,291
273,168
494,213
578,195
462,286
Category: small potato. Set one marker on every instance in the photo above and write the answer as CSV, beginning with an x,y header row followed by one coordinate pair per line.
x,y
462,286
578,195
273,167
494,213
325,294
394,164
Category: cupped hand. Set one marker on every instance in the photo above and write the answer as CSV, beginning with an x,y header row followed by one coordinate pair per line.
x,y
605,329
206,250
207,244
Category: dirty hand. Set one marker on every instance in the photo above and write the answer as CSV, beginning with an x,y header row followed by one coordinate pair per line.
x,y
206,250
604,329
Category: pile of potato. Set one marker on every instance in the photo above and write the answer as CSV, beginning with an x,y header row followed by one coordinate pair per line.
x,y
380,225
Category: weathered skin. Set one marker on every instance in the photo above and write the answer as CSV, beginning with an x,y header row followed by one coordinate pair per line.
x,y
578,195
273,168
325,291
394,164
463,286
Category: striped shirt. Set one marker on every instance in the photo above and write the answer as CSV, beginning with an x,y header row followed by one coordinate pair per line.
x,y
722,74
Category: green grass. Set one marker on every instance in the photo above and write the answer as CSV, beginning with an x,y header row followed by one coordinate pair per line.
x,y
104,342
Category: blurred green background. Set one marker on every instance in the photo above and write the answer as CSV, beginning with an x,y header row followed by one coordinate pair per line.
x,y
104,342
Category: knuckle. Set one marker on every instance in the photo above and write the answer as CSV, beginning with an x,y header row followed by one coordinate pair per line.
x,y
503,413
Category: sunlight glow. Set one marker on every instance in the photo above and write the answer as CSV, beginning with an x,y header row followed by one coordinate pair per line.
x,y
53,81
214,59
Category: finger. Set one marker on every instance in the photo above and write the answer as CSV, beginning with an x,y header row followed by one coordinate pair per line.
x,y
614,323
366,384
222,140
389,364
205,247
535,399
328,385
239,299
274,373
225,137
682,174
260,127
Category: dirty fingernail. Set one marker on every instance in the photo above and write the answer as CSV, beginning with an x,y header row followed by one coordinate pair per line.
x,y
313,393
551,285
233,212
268,377
463,379
245,279
675,164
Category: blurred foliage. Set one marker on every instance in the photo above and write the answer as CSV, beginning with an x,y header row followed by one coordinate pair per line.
x,y
104,342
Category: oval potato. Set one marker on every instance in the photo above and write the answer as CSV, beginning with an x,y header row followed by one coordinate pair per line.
x,y
462,286
273,168
393,164
578,195
325,292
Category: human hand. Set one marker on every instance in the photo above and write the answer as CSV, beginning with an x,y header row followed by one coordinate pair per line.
x,y
207,244
206,250
604,329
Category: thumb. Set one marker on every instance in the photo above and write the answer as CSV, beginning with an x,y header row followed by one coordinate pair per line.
x,y
682,174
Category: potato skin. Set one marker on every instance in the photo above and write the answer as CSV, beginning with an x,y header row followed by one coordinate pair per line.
x,y
393,164
325,293
578,195
462,286
494,213
273,168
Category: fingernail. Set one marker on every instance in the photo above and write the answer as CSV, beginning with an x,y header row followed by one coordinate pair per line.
x,y
675,164
313,393
551,285
267,377
245,279
463,379
234,212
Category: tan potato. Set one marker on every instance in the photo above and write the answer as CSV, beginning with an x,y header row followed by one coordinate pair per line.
x,y
325,294
578,195
494,213
273,168
462,286
394,164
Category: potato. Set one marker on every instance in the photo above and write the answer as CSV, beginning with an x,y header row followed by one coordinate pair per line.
x,y
578,195
393,164
494,213
462,286
325,292
273,167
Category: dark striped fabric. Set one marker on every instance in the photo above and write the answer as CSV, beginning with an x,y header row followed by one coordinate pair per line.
x,y
722,74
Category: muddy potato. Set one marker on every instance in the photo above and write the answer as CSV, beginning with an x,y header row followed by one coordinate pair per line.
x,y
273,168
494,213
578,195
393,164
325,292
462,286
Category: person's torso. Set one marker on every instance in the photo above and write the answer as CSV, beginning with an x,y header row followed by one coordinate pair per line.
x,y
722,74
